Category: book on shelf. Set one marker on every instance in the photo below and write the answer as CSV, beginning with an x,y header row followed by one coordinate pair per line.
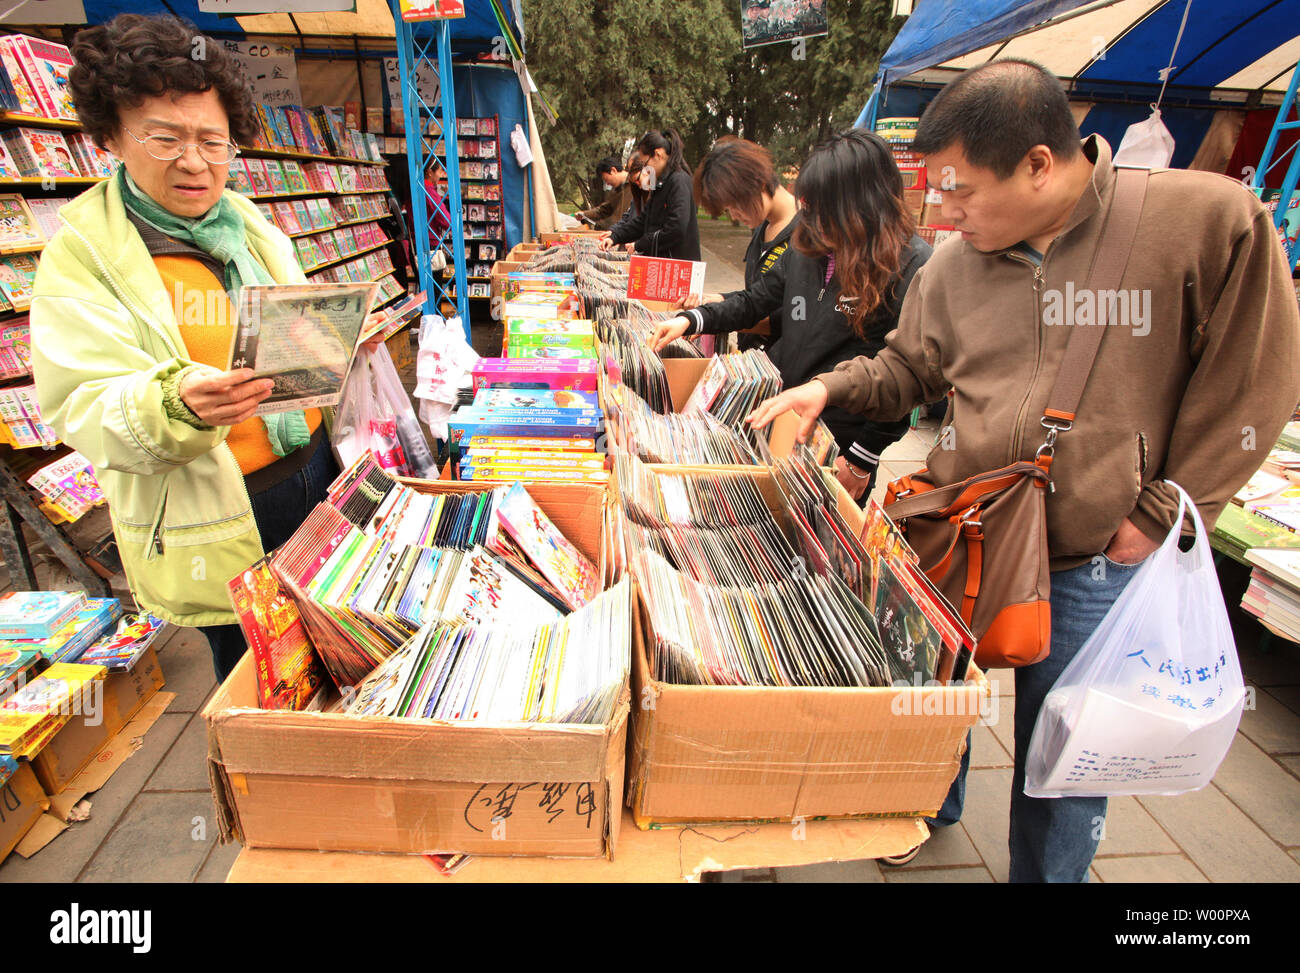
x,y
45,65
24,97
41,154
257,175
275,177
93,161
19,226
17,277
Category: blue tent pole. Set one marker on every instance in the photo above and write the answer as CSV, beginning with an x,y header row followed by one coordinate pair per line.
x,y
451,140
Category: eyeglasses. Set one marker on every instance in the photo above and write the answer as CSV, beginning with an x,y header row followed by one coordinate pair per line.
x,y
169,148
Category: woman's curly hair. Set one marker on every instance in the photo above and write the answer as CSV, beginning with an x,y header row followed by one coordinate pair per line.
x,y
133,57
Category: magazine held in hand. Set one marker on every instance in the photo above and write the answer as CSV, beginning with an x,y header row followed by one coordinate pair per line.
x,y
303,337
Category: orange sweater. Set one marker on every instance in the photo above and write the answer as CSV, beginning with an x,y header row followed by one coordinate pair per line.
x,y
207,324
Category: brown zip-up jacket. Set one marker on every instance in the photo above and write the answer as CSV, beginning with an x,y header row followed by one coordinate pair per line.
x,y
1196,390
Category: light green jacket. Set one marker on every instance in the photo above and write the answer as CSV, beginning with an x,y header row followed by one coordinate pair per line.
x,y
104,339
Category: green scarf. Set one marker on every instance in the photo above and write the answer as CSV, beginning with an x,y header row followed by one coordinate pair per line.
x,y
219,232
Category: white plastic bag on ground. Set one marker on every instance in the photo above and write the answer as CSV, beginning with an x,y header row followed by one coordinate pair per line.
x,y
1152,701
442,366
1146,144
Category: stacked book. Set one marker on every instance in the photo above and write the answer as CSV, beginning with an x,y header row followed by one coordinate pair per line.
x,y
31,717
1273,595
57,625
69,487
21,418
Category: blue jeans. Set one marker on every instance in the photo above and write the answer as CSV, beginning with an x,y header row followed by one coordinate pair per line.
x,y
1052,839
278,511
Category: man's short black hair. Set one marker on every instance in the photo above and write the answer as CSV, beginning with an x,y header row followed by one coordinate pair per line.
x,y
996,113
607,164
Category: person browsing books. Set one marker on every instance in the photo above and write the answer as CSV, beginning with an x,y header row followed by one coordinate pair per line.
x,y
666,225
1196,374
737,177
132,326
619,195
838,288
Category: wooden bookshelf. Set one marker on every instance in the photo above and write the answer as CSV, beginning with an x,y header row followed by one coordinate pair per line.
x,y
341,260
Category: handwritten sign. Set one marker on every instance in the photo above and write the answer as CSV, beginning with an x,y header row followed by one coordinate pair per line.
x,y
426,83
492,804
276,6
271,69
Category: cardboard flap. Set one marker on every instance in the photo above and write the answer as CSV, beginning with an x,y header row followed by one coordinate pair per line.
x,y
666,855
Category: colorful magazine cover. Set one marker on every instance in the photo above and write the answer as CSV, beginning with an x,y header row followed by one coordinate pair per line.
x,y
289,674
119,650
575,578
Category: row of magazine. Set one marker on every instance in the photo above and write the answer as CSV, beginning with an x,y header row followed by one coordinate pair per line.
x,y
283,177
378,562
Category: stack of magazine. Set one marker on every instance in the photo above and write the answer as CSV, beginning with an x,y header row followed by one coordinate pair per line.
x,y
569,670
378,561
692,438
755,579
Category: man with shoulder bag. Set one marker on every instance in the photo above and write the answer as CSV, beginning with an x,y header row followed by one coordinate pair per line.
x,y
1101,330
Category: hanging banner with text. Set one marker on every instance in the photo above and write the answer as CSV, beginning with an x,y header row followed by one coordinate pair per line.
x,y
416,10
271,69
277,6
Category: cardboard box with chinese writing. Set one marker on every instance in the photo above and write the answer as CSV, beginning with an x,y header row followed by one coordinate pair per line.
x,y
325,781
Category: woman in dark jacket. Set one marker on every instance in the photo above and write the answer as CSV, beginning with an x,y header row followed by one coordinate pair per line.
x,y
737,177
839,287
666,225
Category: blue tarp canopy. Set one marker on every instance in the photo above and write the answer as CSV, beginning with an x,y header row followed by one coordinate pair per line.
x,y
1111,51
371,23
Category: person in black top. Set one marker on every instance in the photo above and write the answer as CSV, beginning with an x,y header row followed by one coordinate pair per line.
x,y
666,224
839,287
737,177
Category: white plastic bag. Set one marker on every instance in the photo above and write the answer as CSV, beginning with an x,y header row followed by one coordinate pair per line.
x,y
442,367
1151,702
1146,144
376,415
519,142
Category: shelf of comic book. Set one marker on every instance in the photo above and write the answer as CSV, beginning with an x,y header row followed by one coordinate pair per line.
x,y
482,209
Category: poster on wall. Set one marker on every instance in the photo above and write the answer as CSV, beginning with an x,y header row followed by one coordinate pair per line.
x,y
778,21
416,10
271,69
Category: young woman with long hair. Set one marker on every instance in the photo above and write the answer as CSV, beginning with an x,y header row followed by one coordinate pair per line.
x,y
666,225
839,287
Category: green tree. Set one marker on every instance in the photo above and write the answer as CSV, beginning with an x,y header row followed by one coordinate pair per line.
x,y
612,70
790,104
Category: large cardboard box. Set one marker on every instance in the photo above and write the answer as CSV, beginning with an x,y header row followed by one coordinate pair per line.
x,y
77,744
325,781
22,802
737,753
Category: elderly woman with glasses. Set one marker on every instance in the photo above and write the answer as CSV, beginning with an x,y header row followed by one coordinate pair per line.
x,y
132,325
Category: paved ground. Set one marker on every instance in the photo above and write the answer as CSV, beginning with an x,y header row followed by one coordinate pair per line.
x,y
152,821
